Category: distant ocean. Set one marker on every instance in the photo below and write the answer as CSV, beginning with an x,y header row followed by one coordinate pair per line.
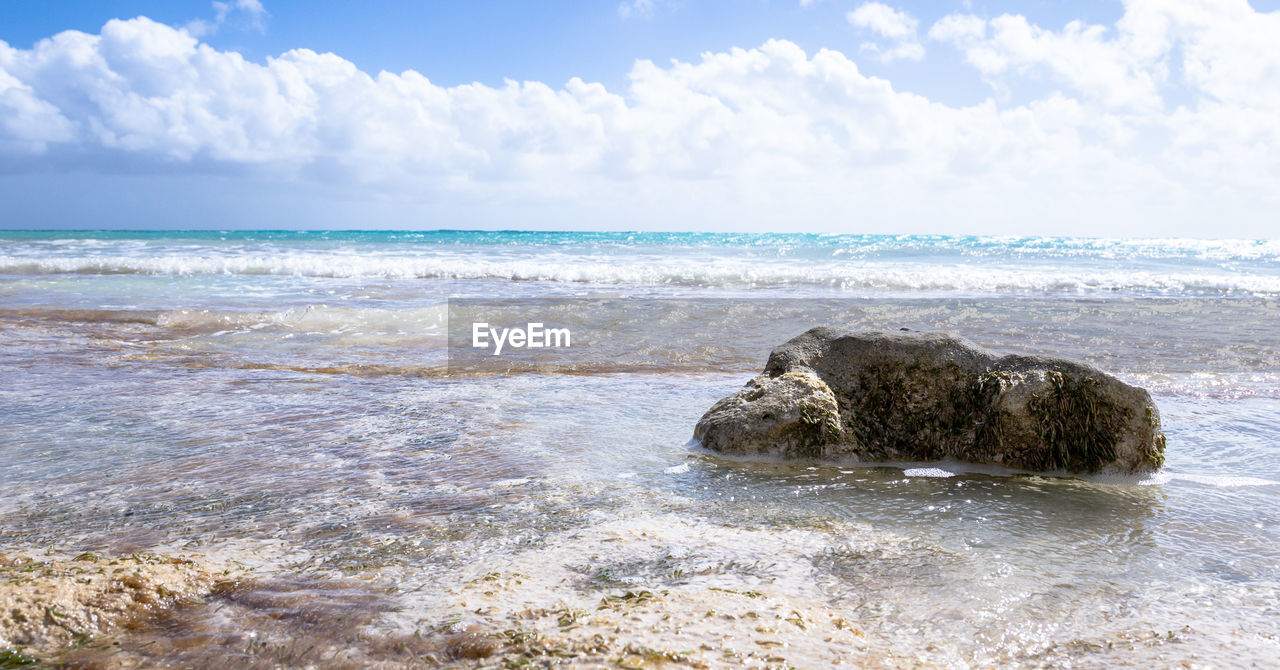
x,y
284,399
856,264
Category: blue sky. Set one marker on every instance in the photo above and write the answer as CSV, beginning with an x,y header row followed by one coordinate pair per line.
x,y
1142,118
462,42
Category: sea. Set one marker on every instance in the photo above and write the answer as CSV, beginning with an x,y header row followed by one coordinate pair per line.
x,y
312,407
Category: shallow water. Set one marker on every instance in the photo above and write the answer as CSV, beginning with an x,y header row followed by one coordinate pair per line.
x,y
291,403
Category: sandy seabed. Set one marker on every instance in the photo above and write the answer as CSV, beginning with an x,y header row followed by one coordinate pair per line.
x,y
538,607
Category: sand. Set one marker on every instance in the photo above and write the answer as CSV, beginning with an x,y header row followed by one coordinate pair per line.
x,y
47,605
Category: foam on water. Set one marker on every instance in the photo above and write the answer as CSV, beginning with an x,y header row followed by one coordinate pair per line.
x,y
313,318
1222,481
273,395
882,276
847,263
928,472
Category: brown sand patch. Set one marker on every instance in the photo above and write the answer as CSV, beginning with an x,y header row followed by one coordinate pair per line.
x,y
46,605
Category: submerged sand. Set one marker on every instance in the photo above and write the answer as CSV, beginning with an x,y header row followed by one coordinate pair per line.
x,y
141,610
650,591
48,605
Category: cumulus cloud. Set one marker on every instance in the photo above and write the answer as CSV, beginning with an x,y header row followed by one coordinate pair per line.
x,y
896,28
1086,57
27,123
1223,49
771,136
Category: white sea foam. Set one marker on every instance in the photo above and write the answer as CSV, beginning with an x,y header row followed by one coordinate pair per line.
x,y
928,472
731,271
1224,481
315,318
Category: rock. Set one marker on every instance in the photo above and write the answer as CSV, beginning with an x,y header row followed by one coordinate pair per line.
x,y
925,397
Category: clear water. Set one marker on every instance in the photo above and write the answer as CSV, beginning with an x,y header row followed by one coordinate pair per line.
x,y
283,400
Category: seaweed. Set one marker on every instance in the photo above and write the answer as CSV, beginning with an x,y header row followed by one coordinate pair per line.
x,y
823,429
15,658
1155,454
1077,423
978,424
895,413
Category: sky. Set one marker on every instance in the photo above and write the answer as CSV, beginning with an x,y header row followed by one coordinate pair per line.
x,y
1145,118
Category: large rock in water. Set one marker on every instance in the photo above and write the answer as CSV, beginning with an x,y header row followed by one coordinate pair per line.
x,y
924,397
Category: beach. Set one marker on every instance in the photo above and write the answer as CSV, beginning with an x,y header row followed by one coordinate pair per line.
x,y
302,415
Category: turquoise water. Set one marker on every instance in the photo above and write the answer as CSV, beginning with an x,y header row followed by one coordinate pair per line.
x,y
283,399
799,262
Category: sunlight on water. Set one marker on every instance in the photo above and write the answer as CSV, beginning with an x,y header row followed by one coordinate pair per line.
x,y
307,423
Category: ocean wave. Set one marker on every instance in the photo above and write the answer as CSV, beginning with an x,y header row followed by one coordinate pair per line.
x,y
312,318
694,272
778,245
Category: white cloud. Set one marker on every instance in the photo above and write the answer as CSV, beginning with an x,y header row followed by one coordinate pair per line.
x,y
248,14
884,20
1223,49
1086,57
765,137
1227,50
897,28
636,9
27,123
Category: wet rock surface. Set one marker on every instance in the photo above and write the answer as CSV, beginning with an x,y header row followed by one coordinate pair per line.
x,y
834,395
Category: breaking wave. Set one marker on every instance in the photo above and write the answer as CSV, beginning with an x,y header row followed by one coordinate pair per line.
x,y
708,271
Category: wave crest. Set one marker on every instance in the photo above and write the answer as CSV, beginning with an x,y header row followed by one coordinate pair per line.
x,y
693,272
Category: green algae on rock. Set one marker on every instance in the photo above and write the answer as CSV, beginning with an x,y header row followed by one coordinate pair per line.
x,y
924,397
